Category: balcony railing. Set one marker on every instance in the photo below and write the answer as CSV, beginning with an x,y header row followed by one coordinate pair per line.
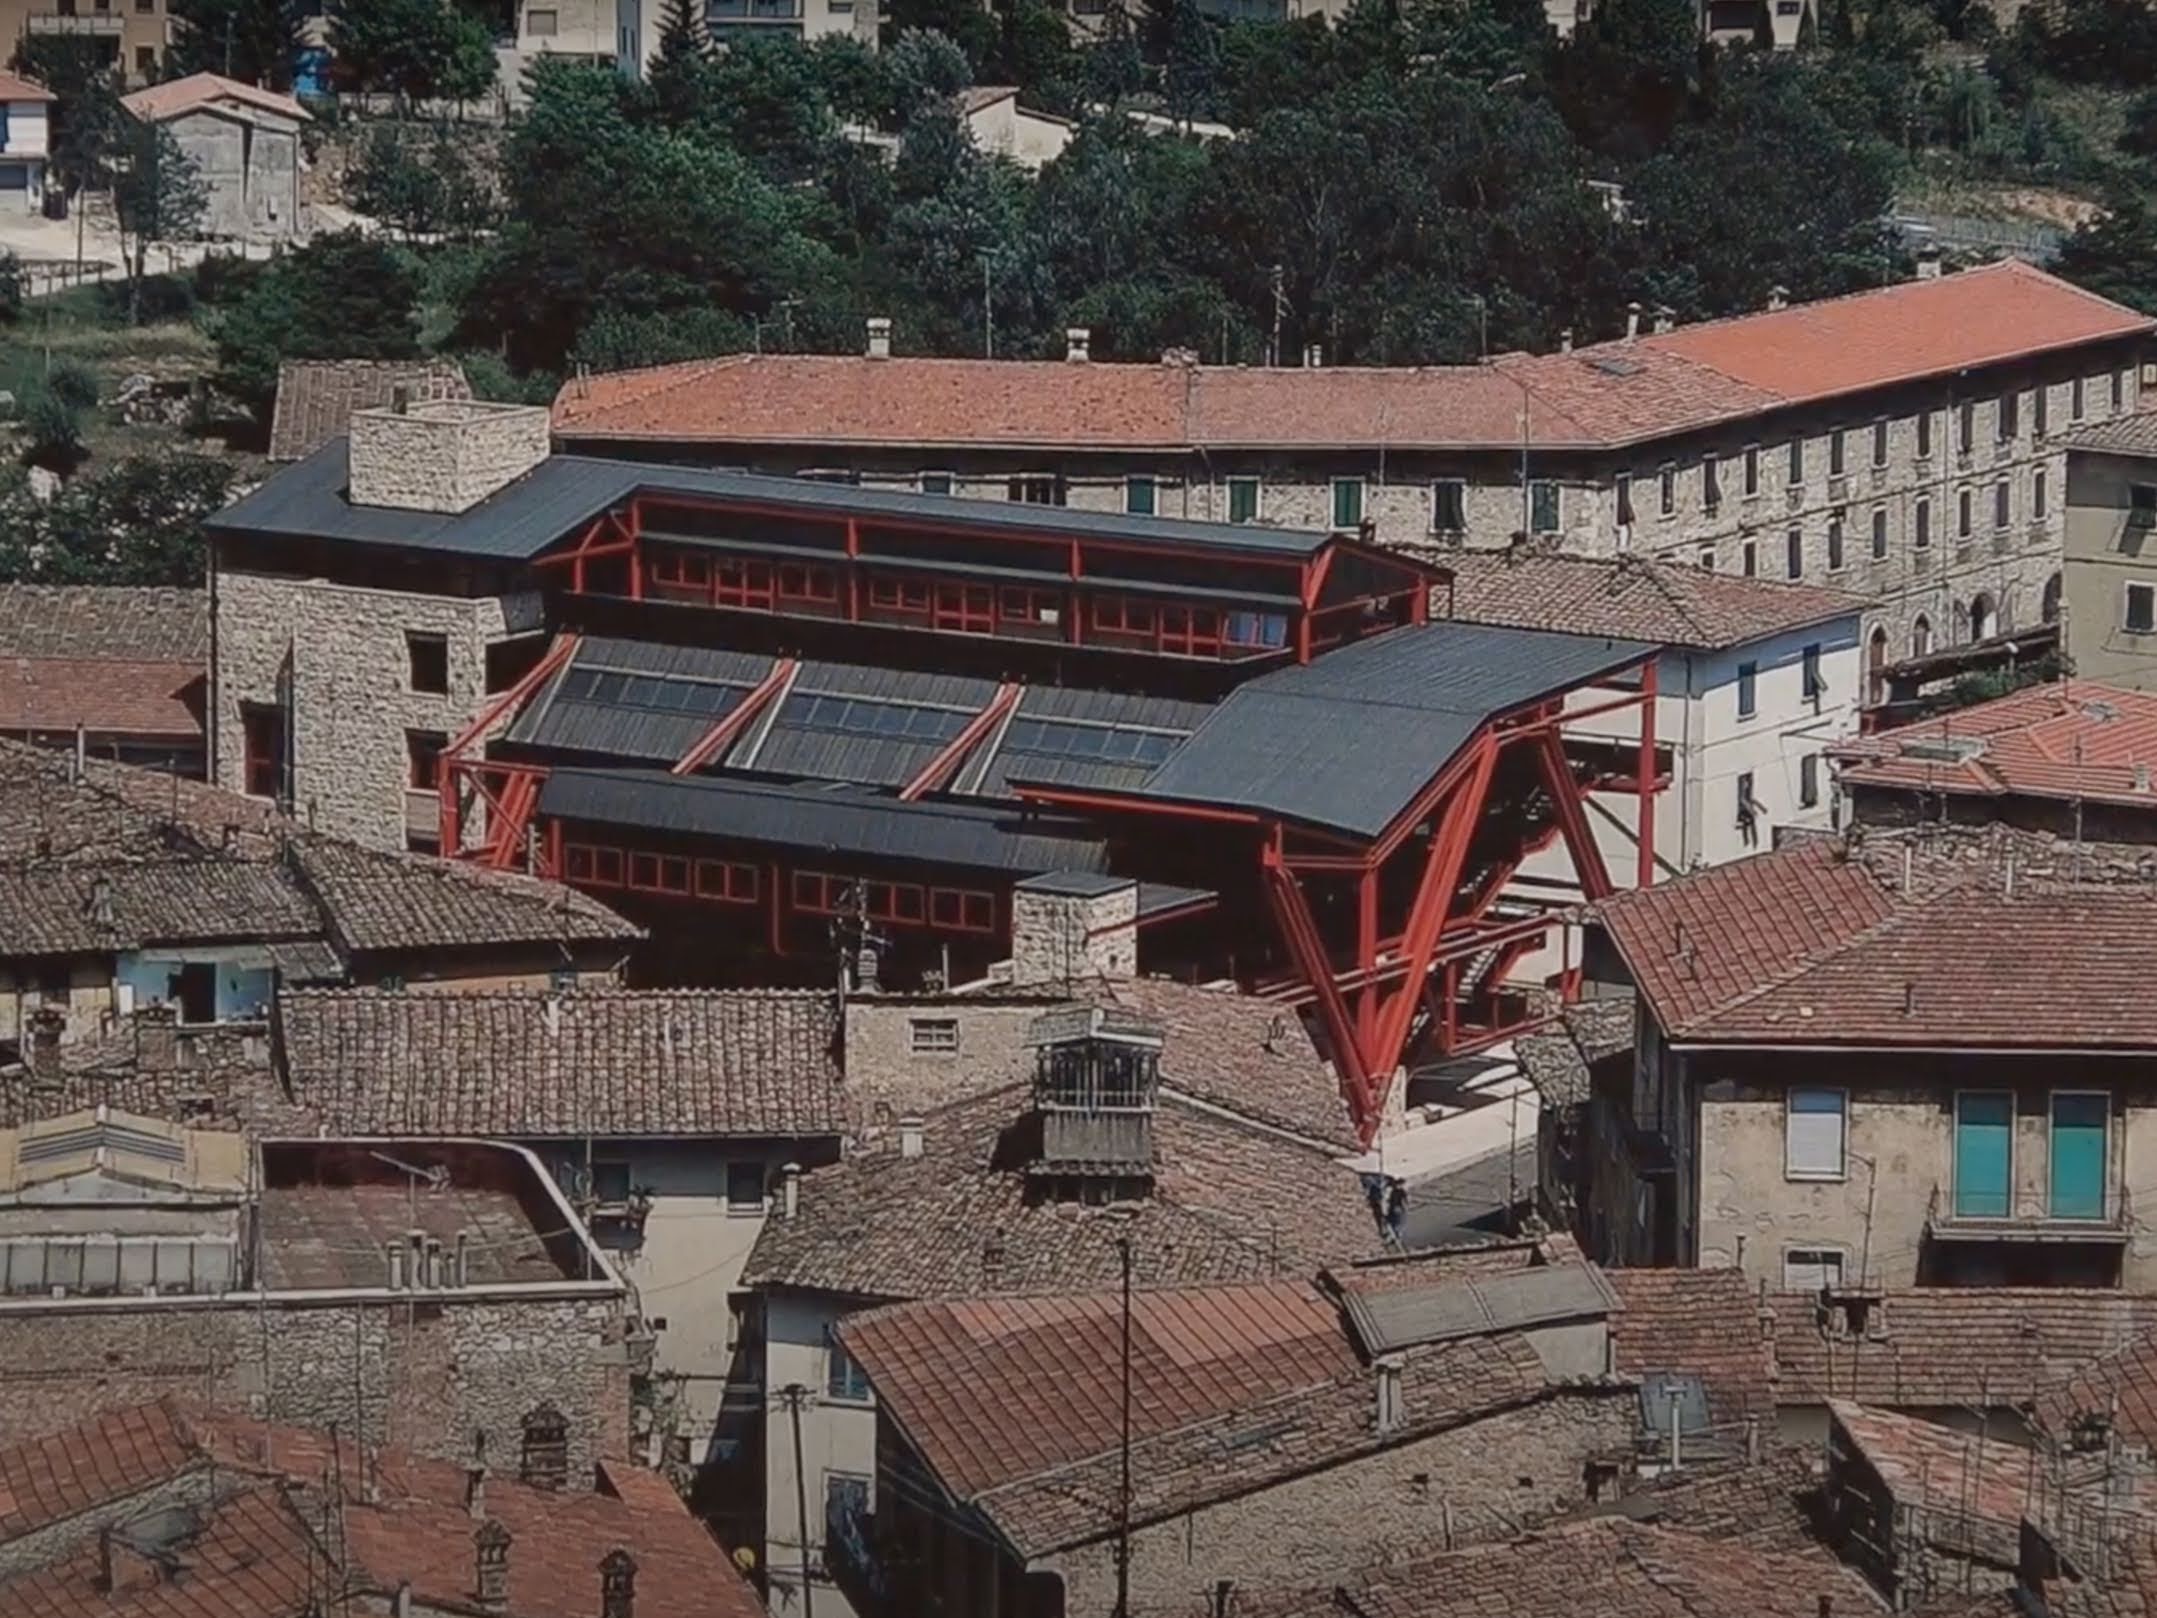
x,y
2028,1218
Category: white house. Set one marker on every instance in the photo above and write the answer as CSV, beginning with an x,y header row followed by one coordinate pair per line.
x,y
24,141
1757,679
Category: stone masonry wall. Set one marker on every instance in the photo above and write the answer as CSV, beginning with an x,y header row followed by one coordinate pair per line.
x,y
888,1078
352,695
1486,1479
419,1374
1058,937
447,455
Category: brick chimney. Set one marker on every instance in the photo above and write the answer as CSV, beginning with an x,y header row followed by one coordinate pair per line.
x,y
445,455
47,1024
157,1038
1070,926
490,1548
618,1584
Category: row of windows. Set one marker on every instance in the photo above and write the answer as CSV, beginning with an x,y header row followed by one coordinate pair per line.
x,y
731,582
602,865
1246,499
821,893
900,904
2007,420
1837,546
1981,1178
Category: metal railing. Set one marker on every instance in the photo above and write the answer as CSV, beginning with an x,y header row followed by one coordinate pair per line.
x,y
2030,1216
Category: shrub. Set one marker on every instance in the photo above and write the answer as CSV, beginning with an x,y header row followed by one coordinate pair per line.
x,y
223,278
52,432
73,383
11,288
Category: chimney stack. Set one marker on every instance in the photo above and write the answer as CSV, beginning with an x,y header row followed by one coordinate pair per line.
x,y
879,337
910,1137
1665,318
1632,320
490,1545
1778,298
1078,344
1565,341
1314,356
1928,264
618,1584
47,1024
789,1189
475,1480
1392,1405
400,398
157,1038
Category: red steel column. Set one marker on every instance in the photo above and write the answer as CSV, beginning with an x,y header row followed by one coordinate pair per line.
x,y
1644,776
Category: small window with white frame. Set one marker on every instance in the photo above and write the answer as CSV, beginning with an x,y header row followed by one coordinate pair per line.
x,y
1812,1269
932,1036
1816,1134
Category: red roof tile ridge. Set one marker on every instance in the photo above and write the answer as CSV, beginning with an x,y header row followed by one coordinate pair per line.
x,y
658,379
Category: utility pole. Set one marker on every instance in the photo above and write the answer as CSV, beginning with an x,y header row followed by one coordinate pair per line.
x,y
1280,302
794,1393
988,314
1123,1489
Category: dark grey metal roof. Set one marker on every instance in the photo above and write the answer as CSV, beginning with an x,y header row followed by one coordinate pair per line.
x,y
1158,898
637,699
985,837
1075,884
1404,1317
1349,740
518,522
1098,739
875,726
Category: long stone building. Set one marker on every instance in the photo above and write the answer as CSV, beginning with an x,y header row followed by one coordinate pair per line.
x,y
1906,443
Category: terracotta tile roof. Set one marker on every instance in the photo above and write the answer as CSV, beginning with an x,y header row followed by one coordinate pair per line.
x,y
169,100
111,1457
1558,1059
1230,1202
1015,1404
1703,1323
336,1236
525,1065
1634,1570
378,901
220,1078
316,398
2062,741
110,905
1772,1504
416,1530
101,622
2117,1390
1959,1346
1242,1053
1605,396
14,87
1825,943
1937,1469
1631,598
2128,435
115,810
115,698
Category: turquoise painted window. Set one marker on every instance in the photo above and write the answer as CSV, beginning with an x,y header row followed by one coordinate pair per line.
x,y
2078,1155
1243,499
1347,502
1984,1153
1138,496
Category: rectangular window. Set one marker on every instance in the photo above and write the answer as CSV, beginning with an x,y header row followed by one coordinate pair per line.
x,y
1749,559
2142,505
1879,534
1809,781
262,749
1879,442
1921,526
541,24
1138,496
2080,1119
426,663
1965,513
1834,543
745,1187
934,482
1748,690
1543,502
1036,489
2008,419
1797,462
1815,685
1794,553
1984,1153
1924,435
1243,499
1814,1135
423,759
1347,503
1752,468
844,1379
2077,400
1711,482
1966,427
2003,503
611,1182
1707,561
1449,504
932,1036
726,882
964,910
1835,452
2141,609
2038,502
1666,490
2119,391
1812,1269
2040,409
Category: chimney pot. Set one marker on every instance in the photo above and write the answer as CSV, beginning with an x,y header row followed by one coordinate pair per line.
x,y
1778,297
490,1545
789,1189
1391,1411
879,337
400,398
47,1024
910,1137
157,1039
1078,344
1565,341
1632,320
618,1584
1665,317
1314,356
1928,264
475,1480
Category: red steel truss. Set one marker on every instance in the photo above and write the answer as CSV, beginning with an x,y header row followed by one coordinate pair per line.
x,y
1399,991
509,792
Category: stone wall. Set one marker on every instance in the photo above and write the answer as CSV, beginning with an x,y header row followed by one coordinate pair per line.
x,y
1478,1482
443,455
892,1072
420,1373
352,694
1058,937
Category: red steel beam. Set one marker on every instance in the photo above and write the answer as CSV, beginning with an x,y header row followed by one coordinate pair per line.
x,y
449,832
1293,916
1075,798
732,725
1644,871
1572,815
933,773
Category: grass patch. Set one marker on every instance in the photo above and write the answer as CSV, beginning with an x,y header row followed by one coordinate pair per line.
x,y
79,326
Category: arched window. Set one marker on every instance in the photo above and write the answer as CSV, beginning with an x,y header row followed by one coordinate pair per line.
x,y
1876,665
545,1461
2050,610
1984,617
1921,637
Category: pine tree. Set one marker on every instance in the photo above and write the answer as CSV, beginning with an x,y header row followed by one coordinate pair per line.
x,y
677,74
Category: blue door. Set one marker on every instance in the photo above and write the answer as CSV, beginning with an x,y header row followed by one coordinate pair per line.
x,y
1984,1153
2078,1156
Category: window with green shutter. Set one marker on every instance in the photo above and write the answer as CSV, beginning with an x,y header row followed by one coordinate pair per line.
x,y
1347,502
1138,496
1544,507
1243,499
1984,1153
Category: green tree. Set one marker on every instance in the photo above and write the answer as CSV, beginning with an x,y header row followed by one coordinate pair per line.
x,y
157,195
678,74
342,296
254,41
2115,254
2138,133
138,522
52,432
414,49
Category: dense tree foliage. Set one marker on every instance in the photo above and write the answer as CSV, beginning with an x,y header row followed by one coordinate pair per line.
x,y
342,296
254,41
416,50
137,522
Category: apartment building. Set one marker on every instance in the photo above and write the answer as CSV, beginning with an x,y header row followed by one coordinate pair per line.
x,y
131,34
1906,444
2109,626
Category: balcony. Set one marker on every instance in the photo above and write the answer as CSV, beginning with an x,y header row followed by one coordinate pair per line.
x,y
105,24
2030,1218
721,13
